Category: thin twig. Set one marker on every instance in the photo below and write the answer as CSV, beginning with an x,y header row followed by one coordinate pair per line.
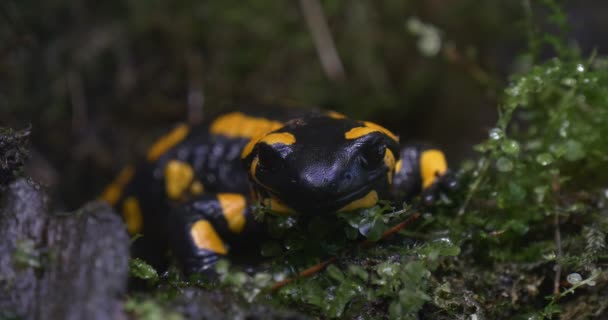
x,y
364,244
558,241
323,40
558,244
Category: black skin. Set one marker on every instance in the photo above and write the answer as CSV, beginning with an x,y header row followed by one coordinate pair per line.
x,y
322,171
318,174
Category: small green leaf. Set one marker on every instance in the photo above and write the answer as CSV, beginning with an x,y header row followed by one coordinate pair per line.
x,y
335,273
503,164
544,159
140,269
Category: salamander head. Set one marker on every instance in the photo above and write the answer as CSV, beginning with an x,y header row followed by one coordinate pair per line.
x,y
322,163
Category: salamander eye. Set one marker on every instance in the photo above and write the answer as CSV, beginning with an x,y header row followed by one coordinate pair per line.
x,y
270,159
372,154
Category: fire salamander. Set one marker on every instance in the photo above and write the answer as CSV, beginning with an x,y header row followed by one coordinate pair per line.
x,y
193,192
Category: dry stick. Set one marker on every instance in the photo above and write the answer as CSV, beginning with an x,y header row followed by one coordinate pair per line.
x,y
558,244
366,243
558,240
321,36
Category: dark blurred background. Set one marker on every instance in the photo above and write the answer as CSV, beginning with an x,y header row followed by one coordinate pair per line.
x,y
98,81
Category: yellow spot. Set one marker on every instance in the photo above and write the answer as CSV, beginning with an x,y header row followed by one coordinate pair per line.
x,y
239,125
197,188
254,167
367,201
249,147
389,161
167,142
273,138
233,208
358,132
279,137
132,215
398,166
370,127
113,192
204,236
178,177
432,164
381,129
276,205
335,115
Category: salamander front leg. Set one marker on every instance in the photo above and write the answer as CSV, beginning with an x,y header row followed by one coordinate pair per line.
x,y
208,227
422,170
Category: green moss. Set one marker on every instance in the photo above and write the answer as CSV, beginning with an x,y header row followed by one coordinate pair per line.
x,y
149,309
141,270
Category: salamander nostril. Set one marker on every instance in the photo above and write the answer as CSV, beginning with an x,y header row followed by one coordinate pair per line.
x,y
348,176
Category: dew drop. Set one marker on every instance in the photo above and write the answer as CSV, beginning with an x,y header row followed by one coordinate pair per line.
x,y
574,278
544,159
580,68
496,134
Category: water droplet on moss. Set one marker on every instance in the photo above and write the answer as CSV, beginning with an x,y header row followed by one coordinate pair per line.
x,y
544,159
510,146
580,68
574,278
496,134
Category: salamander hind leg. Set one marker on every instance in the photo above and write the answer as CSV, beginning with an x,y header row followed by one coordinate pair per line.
x,y
422,170
207,228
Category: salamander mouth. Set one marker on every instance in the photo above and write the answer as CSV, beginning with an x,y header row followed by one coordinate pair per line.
x,y
302,204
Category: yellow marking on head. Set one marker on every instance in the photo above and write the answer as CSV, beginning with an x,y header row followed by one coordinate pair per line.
x,y
249,147
239,125
233,208
279,137
370,127
432,164
358,132
366,201
197,188
204,236
178,177
276,205
254,167
398,166
389,161
167,142
335,115
131,212
113,192
381,129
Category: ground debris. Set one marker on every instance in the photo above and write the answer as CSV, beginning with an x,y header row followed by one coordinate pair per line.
x,y
14,146
59,266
